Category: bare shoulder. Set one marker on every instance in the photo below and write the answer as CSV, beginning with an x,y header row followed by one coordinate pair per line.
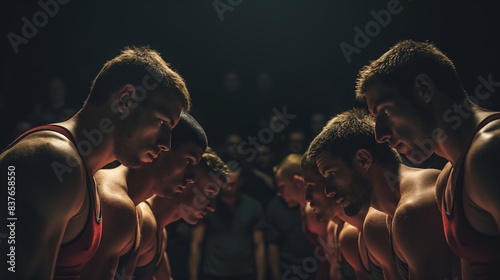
x,y
348,238
49,168
481,178
148,228
375,228
481,162
442,181
121,219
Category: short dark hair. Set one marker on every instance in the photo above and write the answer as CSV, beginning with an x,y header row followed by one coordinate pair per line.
x,y
132,66
348,132
399,66
188,130
213,163
290,165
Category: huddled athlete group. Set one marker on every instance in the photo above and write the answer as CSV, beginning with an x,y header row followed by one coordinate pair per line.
x,y
94,193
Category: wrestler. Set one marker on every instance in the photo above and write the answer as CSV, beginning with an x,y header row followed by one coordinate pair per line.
x,y
359,247
192,205
134,103
123,188
291,187
421,108
360,172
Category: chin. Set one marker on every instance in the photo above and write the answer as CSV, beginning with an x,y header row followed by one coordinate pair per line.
x,y
131,162
192,220
417,156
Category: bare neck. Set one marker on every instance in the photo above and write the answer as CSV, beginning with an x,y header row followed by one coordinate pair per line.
x,y
94,143
165,211
140,182
356,220
385,183
459,125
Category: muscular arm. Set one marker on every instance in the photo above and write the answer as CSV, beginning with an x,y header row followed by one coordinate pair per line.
x,y
260,254
350,251
195,254
274,261
418,234
164,271
44,201
483,181
376,236
118,234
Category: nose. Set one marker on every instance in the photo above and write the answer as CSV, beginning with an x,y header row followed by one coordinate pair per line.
x,y
330,189
190,175
211,205
382,131
165,139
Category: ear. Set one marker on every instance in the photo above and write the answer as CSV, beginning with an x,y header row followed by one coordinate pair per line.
x,y
363,160
299,180
424,88
122,98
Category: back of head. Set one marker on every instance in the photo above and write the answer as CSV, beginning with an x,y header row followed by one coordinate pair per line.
x,y
348,132
289,166
399,66
188,130
140,67
213,163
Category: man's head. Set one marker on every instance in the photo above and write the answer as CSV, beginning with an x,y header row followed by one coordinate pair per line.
x,y
289,180
325,208
176,168
144,97
199,197
406,89
344,152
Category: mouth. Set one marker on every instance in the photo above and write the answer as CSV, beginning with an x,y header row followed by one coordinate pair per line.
x,y
180,189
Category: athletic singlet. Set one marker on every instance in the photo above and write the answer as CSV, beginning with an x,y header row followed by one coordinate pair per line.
x,y
73,255
481,251
373,272
147,271
124,260
346,270
400,265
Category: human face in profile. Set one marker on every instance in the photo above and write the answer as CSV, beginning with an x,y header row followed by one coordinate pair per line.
x,y
344,184
146,130
401,122
199,198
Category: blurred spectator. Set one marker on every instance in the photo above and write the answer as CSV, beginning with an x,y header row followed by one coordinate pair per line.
x,y
296,142
53,108
265,160
232,238
229,149
316,123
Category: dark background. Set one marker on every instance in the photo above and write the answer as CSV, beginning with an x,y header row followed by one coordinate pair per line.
x,y
297,41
